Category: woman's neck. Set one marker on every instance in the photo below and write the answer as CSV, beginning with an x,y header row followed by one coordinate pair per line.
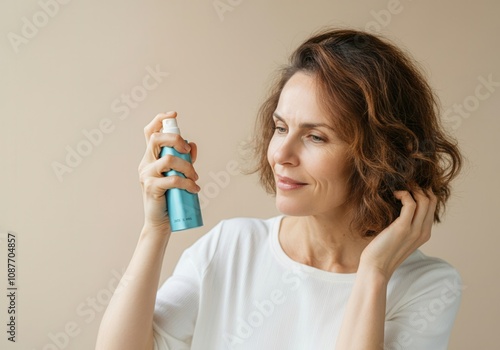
x,y
322,243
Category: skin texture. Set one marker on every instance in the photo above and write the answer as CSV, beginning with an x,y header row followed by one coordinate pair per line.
x,y
127,323
309,154
316,232
305,148
153,183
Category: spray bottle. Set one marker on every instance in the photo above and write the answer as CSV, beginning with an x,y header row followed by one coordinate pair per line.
x,y
183,207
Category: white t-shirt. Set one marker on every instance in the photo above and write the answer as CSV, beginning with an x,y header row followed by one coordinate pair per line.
x,y
236,288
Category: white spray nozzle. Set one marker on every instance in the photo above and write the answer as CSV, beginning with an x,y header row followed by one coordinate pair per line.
x,y
170,126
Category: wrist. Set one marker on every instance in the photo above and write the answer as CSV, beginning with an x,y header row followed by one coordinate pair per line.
x,y
157,232
373,275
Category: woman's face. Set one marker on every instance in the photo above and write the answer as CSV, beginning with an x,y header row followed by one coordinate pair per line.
x,y
307,157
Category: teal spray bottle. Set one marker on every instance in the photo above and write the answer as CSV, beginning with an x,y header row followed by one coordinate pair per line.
x,y
183,207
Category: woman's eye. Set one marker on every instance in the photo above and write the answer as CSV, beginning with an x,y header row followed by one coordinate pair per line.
x,y
279,129
316,138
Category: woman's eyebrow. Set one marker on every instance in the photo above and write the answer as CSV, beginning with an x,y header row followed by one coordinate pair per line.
x,y
305,125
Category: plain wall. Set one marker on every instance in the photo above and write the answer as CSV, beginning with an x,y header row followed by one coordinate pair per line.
x,y
65,70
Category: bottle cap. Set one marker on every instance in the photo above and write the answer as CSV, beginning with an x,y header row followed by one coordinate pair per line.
x,y
170,126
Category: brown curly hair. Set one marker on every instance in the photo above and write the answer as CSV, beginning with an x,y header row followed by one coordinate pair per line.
x,y
383,107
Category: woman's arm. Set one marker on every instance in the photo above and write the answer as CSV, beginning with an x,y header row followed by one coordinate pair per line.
x,y
128,320
364,320
363,323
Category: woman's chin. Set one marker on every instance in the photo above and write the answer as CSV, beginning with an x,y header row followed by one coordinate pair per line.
x,y
292,209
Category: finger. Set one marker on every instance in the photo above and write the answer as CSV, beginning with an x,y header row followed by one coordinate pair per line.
x,y
422,208
159,140
156,124
422,222
179,182
156,186
429,218
194,151
408,208
170,162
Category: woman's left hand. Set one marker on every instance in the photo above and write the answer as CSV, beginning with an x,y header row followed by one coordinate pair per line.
x,y
401,238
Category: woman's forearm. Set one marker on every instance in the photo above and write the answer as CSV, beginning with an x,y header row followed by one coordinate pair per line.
x,y
128,320
363,324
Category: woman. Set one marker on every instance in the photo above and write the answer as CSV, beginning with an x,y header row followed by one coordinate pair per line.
x,y
350,143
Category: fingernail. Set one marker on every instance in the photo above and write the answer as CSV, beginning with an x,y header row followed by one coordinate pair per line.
x,y
196,177
168,114
187,148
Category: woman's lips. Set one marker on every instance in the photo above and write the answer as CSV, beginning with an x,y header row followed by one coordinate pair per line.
x,y
285,183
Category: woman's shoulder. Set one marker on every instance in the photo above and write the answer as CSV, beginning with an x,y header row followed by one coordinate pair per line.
x,y
238,225
234,239
244,230
423,277
230,234
419,265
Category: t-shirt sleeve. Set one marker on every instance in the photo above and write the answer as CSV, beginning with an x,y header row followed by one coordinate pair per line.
x,y
177,300
424,317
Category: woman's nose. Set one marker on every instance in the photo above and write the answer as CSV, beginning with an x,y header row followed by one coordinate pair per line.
x,y
286,152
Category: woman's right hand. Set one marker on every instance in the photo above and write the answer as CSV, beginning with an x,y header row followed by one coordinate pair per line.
x,y
153,183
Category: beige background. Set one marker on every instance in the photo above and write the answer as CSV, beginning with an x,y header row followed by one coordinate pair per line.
x,y
76,234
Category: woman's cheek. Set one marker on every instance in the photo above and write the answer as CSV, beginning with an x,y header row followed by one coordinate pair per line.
x,y
271,150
